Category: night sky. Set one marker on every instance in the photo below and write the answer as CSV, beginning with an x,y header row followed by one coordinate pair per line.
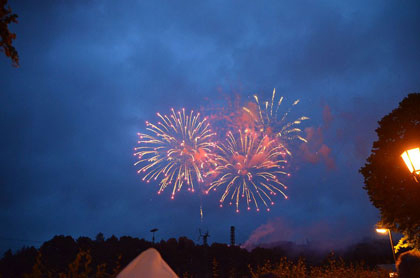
x,y
92,72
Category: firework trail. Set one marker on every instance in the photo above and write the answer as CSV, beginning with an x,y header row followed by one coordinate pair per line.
x,y
175,150
248,168
269,122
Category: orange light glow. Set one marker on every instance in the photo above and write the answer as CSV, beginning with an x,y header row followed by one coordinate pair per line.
x,y
412,160
382,231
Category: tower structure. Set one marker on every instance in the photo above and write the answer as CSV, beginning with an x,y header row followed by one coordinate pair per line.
x,y
232,235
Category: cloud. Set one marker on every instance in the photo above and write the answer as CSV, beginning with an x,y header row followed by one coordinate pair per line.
x,y
92,72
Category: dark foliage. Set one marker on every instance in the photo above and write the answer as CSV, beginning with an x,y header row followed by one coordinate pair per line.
x,y
7,37
388,182
14,265
408,264
106,257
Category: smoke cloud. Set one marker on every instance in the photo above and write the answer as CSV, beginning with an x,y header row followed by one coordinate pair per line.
x,y
321,235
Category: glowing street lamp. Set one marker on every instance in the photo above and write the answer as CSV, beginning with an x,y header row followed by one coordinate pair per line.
x,y
412,160
384,231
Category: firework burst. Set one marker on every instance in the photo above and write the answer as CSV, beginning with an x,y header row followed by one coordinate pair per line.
x,y
248,167
268,120
175,150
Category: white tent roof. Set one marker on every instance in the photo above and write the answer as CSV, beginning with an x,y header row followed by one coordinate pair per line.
x,y
149,264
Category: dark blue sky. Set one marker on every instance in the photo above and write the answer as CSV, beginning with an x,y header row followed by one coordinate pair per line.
x,y
91,73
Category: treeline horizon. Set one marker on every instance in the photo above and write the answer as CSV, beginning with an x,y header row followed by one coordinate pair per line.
x,y
64,256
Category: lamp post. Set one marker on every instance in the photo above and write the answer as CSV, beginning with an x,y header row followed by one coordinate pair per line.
x,y
384,231
412,160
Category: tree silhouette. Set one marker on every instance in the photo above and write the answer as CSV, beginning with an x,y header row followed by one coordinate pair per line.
x,y
7,17
388,182
58,252
62,256
100,237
